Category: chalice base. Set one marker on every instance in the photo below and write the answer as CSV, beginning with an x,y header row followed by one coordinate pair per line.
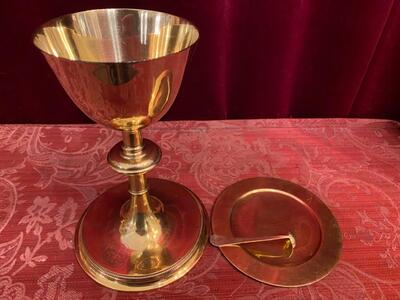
x,y
130,262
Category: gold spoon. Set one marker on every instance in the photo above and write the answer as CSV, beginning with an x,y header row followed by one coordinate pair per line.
x,y
289,243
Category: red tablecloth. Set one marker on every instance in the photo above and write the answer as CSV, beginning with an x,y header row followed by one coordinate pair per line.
x,y
49,174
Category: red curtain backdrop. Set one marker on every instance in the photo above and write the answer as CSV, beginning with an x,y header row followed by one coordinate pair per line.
x,y
255,59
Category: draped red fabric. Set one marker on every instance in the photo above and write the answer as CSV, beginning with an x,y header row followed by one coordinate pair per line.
x,y
255,59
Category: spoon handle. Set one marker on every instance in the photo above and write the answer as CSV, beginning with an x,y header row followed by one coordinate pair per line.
x,y
222,241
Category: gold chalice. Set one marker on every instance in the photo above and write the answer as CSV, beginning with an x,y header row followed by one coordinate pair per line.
x,y
123,68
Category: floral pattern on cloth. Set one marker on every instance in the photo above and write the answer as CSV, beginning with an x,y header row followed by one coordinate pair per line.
x,y
49,174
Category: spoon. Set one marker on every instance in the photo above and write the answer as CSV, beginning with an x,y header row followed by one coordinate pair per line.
x,y
289,243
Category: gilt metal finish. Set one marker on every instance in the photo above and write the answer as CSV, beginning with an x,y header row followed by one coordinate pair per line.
x,y
143,247
256,208
288,243
123,69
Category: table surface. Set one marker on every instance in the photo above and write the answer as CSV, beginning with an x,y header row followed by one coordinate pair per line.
x,y
49,174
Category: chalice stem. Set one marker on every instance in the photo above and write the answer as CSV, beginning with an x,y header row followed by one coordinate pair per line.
x,y
132,149
138,190
137,184
132,143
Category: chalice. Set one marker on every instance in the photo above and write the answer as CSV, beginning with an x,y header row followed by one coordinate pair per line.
x,y
123,69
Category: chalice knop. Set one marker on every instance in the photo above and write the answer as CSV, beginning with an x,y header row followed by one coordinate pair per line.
x,y
123,68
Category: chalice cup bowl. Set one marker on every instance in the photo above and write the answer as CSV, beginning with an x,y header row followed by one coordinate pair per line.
x,y
123,68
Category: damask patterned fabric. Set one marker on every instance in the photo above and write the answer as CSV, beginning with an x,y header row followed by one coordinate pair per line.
x,y
49,174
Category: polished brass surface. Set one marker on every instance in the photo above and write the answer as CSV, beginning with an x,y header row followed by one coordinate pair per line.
x,y
288,243
221,241
123,68
115,35
142,246
257,208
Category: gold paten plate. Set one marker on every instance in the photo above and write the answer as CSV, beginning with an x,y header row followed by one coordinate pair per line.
x,y
263,206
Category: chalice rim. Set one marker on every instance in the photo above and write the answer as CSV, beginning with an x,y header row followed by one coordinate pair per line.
x,y
39,28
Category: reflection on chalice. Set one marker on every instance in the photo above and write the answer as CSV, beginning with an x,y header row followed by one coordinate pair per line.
x,y
123,68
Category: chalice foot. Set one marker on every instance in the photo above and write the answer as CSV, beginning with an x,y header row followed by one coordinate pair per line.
x,y
158,246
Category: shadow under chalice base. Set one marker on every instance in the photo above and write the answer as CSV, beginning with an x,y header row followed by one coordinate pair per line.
x,y
102,254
